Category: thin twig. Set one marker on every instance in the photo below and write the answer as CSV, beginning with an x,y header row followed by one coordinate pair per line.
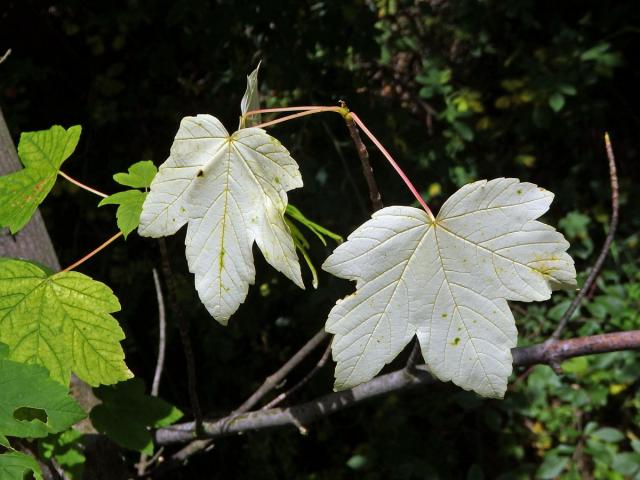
x,y
5,56
183,326
305,413
274,379
82,185
597,267
143,464
155,387
92,253
179,458
271,382
367,171
284,395
359,197
162,328
49,468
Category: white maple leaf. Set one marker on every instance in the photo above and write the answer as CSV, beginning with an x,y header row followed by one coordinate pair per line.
x,y
231,190
446,281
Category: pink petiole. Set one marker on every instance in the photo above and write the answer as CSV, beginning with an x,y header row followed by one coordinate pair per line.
x,y
393,163
92,253
303,112
311,110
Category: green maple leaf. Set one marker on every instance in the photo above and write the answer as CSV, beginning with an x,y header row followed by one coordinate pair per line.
x,y
31,404
16,466
130,202
42,154
129,209
62,322
126,414
140,175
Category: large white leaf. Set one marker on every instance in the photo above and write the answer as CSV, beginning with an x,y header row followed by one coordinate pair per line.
x,y
448,281
231,189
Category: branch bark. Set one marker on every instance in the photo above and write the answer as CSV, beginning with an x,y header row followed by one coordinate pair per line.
x,y
306,413
560,350
162,335
272,380
284,395
367,170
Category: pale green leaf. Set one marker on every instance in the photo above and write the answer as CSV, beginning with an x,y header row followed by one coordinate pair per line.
x,y
42,154
446,281
232,191
61,322
608,434
129,209
301,243
17,465
251,101
556,102
357,462
126,414
318,230
551,467
627,463
31,404
140,175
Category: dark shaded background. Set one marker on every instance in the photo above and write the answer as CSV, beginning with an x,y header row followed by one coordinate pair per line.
x,y
456,90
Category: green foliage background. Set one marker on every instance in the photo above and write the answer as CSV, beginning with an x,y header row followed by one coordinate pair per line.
x,y
457,91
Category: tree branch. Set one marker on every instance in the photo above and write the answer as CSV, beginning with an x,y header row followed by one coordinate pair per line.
x,y
367,171
269,384
318,366
298,415
162,334
561,350
5,56
343,161
274,379
143,463
306,413
597,267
